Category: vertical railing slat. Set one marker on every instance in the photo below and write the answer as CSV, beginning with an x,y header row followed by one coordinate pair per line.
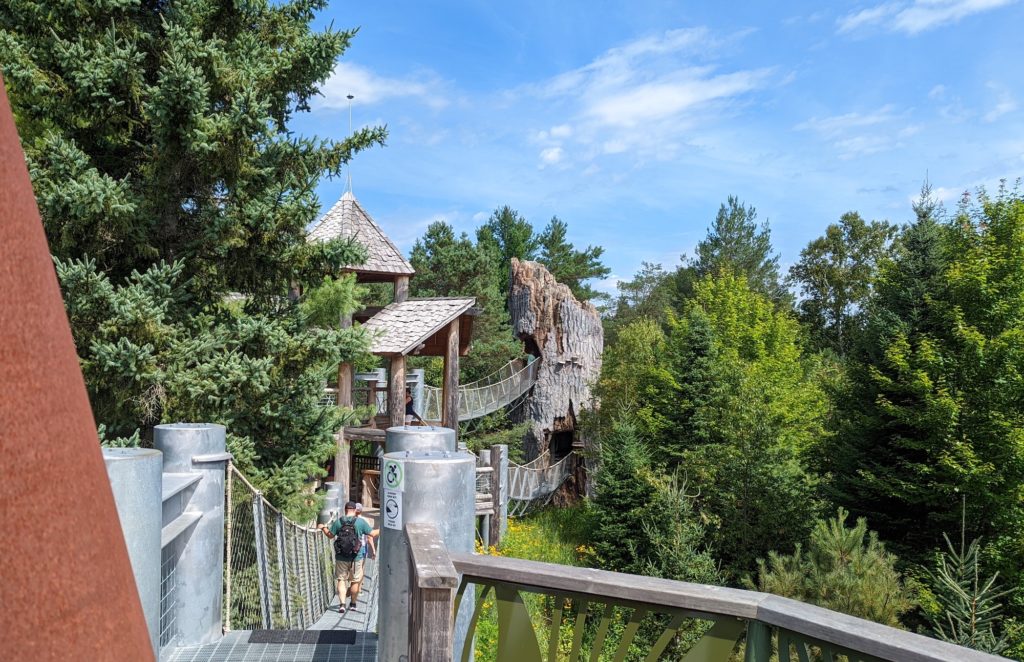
x,y
259,524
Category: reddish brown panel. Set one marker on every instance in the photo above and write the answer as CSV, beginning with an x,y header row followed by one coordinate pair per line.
x,y
66,586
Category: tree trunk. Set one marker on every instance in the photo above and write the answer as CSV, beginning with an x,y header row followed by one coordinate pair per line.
x,y
567,338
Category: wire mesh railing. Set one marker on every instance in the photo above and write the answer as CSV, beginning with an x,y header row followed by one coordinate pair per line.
x,y
277,574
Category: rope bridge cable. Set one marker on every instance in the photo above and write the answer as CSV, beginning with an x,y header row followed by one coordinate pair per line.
x,y
487,395
530,487
277,574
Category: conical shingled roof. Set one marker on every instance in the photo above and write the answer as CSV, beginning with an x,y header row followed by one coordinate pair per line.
x,y
348,219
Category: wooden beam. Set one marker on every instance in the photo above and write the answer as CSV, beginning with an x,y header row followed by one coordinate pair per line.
x,y
401,288
494,534
450,387
343,452
396,391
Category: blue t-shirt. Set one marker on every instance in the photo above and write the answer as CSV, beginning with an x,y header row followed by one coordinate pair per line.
x,y
363,529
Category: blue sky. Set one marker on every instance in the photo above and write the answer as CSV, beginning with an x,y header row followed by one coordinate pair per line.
x,y
633,121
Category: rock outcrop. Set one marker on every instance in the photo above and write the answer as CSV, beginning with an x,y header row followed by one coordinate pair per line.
x,y
567,338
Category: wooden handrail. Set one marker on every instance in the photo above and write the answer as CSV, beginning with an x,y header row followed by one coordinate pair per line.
x,y
431,595
701,600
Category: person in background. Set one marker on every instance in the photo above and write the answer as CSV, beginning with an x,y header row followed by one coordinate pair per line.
x,y
371,545
410,413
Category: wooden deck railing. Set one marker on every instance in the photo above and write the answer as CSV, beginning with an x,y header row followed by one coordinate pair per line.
x,y
770,627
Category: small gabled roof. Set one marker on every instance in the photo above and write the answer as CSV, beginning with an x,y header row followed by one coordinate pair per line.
x,y
347,219
403,328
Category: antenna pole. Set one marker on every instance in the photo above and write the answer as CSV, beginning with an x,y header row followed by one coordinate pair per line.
x,y
350,97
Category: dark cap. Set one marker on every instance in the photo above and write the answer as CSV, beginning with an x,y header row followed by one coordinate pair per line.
x,y
351,505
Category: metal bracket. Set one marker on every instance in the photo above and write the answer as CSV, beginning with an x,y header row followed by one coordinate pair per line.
x,y
212,457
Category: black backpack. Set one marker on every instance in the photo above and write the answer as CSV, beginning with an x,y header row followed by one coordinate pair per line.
x,y
347,543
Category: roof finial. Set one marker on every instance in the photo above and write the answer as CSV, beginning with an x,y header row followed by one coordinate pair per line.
x,y
349,97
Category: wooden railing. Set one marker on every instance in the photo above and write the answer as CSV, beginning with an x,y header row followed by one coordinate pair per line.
x,y
630,611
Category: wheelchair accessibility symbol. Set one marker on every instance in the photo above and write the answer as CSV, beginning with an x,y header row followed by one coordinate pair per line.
x,y
393,475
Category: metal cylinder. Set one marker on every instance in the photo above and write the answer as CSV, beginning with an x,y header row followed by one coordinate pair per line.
x,y
419,438
198,448
438,487
332,502
135,479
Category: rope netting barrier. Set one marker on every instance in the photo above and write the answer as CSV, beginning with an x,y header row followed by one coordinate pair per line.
x,y
487,395
277,574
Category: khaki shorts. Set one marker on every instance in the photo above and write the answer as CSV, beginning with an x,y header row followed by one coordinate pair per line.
x,y
349,571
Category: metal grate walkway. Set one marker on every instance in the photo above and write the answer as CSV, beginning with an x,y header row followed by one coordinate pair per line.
x,y
236,646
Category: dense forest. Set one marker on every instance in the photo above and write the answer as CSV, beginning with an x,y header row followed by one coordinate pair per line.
x,y
849,433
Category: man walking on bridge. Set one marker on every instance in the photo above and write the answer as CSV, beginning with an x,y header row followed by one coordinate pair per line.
x,y
349,553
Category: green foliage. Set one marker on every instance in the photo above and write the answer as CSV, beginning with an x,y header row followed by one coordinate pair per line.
x,y
161,133
175,200
504,236
499,434
145,362
447,265
969,608
751,407
844,569
636,381
570,266
835,274
734,243
325,305
935,406
648,295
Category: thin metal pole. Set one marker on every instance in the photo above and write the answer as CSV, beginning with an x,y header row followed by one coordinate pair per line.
x,y
282,570
227,561
259,529
298,573
305,547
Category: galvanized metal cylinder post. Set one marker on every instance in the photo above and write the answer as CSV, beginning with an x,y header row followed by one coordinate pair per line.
x,y
419,438
198,448
135,479
435,487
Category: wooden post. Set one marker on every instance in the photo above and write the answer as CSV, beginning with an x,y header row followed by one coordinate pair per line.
x,y
497,485
396,391
343,453
432,584
450,388
401,288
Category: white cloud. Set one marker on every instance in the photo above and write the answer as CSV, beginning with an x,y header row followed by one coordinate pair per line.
x,y
480,217
833,126
646,96
937,92
561,131
1005,103
368,88
917,16
865,17
551,156
860,134
671,96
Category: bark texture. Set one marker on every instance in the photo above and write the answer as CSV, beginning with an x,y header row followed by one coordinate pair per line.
x,y
567,338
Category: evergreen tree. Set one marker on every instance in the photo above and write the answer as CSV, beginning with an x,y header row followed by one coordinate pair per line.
x,y
934,410
167,178
843,569
752,409
735,243
506,235
450,265
570,266
835,275
969,610
648,295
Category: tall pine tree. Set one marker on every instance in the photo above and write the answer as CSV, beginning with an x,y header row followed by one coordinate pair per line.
x,y
157,136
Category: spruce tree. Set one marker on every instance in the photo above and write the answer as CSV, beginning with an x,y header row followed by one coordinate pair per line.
x,y
568,265
175,198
